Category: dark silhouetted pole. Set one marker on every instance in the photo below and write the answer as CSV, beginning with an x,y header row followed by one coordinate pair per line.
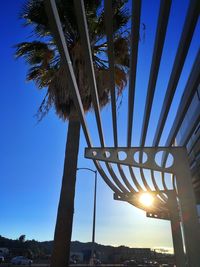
x,y
94,210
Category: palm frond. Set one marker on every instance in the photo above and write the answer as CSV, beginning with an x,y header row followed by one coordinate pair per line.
x,y
34,52
45,65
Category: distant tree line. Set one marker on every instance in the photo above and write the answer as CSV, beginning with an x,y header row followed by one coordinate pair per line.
x,y
42,250
28,248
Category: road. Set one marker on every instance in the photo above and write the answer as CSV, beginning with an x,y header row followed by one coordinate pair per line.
x,y
71,265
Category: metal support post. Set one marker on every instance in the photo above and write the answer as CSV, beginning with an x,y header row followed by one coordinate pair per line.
x,y
94,217
179,254
187,201
94,214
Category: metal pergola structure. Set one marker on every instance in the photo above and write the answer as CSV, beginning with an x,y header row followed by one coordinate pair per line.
x,y
179,202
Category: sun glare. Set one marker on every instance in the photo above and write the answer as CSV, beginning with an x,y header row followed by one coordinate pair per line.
x,y
146,199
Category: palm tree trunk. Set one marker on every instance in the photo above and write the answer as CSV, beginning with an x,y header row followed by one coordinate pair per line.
x,y
63,229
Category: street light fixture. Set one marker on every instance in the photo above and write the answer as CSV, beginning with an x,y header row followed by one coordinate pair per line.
x,y
94,211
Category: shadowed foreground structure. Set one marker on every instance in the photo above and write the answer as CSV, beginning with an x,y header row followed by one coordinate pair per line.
x,y
177,204
176,199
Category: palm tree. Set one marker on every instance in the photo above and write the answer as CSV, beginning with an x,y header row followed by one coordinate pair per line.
x,y
22,238
47,71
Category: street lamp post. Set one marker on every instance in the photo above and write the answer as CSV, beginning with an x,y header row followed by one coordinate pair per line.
x,y
94,210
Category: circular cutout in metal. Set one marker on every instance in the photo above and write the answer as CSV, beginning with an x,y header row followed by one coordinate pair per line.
x,y
140,157
122,155
107,154
94,153
164,159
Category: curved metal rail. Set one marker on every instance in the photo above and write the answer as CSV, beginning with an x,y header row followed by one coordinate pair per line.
x,y
121,185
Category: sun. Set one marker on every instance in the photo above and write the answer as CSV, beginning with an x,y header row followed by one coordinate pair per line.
x,y
146,199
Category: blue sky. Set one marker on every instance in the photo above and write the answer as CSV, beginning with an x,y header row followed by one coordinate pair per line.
x,y
32,154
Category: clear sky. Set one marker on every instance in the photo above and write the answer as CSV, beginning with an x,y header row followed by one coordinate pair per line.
x,y
31,154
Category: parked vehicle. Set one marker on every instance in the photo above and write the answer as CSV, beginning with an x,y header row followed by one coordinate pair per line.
x,y
130,263
21,260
